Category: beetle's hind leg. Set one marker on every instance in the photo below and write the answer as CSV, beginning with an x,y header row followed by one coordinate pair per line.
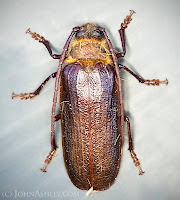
x,y
48,159
36,92
41,39
131,149
53,151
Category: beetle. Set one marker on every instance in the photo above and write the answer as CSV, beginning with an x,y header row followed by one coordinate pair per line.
x,y
91,105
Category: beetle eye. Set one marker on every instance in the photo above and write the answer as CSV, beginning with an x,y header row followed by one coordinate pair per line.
x,y
80,32
96,32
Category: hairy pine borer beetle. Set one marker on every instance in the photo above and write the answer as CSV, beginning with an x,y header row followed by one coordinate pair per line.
x,y
91,106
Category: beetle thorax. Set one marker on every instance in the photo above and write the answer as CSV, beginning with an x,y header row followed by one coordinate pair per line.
x,y
89,47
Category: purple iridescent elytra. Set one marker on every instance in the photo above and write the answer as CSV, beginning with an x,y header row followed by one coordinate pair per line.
x,y
90,124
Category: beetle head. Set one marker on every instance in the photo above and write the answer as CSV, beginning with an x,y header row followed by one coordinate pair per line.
x,y
89,31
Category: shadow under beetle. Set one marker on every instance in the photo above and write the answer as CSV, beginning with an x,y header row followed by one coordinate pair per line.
x,y
91,106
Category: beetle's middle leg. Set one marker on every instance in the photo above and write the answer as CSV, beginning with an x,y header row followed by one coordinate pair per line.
x,y
131,149
41,39
145,81
36,92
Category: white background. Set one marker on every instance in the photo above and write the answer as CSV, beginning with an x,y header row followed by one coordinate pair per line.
x,y
152,52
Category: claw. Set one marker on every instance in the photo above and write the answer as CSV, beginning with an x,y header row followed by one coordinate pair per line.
x,y
127,20
23,95
36,36
156,82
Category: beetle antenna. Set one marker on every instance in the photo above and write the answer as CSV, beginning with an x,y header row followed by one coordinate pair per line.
x,y
53,144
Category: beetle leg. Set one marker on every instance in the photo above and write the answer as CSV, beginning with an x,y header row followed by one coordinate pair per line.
x,y
33,94
57,117
41,39
131,149
141,80
48,159
121,32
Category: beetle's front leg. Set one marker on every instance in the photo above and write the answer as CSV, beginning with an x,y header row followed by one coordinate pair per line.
x,y
121,32
33,94
41,39
145,81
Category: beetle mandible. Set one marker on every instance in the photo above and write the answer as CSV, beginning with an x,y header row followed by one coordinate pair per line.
x,y
91,106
